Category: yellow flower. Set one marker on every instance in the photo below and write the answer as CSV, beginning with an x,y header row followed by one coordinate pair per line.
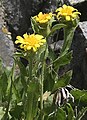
x,y
29,42
67,12
43,18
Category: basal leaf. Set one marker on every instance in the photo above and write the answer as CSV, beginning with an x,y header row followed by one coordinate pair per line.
x,y
70,112
81,113
61,115
80,96
32,101
16,112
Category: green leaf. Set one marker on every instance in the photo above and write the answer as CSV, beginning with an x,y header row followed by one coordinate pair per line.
x,y
51,55
1,112
70,112
81,113
63,81
63,60
48,105
1,68
32,101
57,27
15,92
17,112
80,96
3,85
61,115
68,36
22,68
48,81
34,25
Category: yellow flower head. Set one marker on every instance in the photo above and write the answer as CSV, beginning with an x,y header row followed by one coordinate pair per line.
x,y
29,42
43,18
67,12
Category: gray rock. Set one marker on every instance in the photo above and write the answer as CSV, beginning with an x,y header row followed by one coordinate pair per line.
x,y
79,61
18,13
6,49
6,45
74,2
56,46
83,26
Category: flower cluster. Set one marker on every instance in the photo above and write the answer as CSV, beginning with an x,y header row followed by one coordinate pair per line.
x,y
67,12
29,42
43,25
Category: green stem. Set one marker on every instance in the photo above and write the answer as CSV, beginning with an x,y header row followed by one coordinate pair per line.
x,y
30,68
28,117
65,37
9,99
42,80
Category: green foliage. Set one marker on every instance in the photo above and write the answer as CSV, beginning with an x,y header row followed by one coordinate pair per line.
x,y
80,96
61,115
62,60
62,81
81,113
68,36
70,112
56,27
32,101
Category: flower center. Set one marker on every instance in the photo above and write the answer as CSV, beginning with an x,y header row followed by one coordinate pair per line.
x,y
66,11
31,40
43,16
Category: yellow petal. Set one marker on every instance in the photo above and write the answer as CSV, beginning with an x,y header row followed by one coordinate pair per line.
x,y
64,6
71,8
25,35
40,43
21,46
39,36
68,18
17,41
43,21
74,15
43,40
64,14
37,45
77,13
40,14
19,38
34,49
29,47
59,9
37,19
